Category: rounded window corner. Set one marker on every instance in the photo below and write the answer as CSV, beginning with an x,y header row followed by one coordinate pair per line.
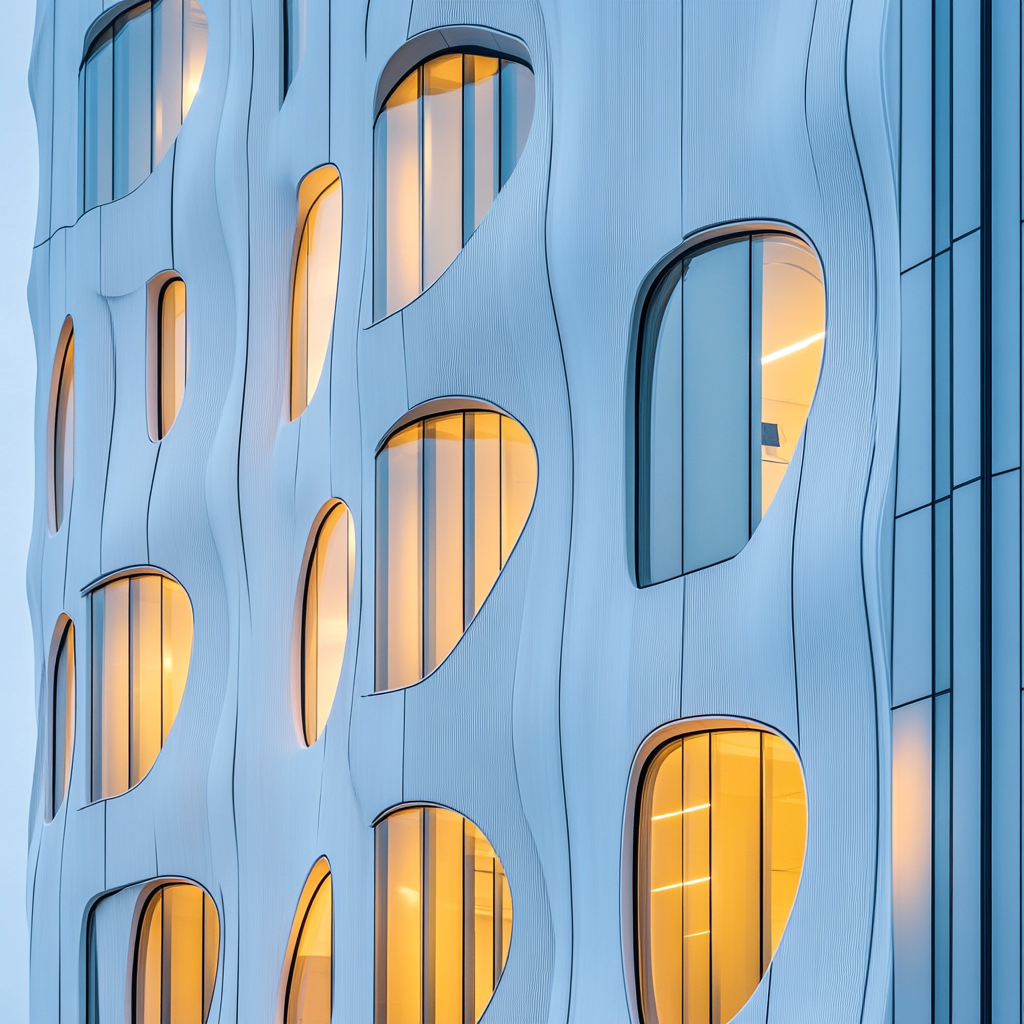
x,y
167,351
60,448
60,717
307,979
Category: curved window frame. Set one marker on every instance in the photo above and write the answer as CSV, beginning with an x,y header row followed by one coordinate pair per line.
x,y
60,456
157,291
654,296
293,41
645,758
59,748
318,875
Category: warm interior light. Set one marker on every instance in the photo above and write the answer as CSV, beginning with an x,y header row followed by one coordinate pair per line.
x,y
685,810
790,349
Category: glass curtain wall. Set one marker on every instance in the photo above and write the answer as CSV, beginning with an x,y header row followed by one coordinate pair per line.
x,y
136,86
141,646
330,578
445,143
453,495
172,354
723,824
309,989
64,435
731,347
443,919
176,956
62,716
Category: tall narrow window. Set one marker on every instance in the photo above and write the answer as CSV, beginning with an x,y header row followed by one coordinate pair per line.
x,y
443,918
292,33
62,714
447,140
139,78
327,600
731,346
171,356
310,963
315,289
141,646
453,495
176,956
63,426
722,829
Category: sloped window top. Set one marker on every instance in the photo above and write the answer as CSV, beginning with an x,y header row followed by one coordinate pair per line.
x,y
140,75
61,454
446,141
310,961
731,344
62,712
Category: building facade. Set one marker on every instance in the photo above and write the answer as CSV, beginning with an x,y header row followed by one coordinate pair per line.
x,y
499,552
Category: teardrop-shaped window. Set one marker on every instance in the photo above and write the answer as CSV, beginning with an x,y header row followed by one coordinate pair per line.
x,y
62,712
62,427
453,494
721,836
310,960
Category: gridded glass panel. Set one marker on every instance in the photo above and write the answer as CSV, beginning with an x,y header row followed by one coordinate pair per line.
x,y
176,956
447,139
310,981
330,577
172,353
141,647
443,918
453,495
723,825
64,435
62,716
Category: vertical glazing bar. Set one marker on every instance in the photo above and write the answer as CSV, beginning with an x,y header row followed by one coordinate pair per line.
x,y
758,468
696,878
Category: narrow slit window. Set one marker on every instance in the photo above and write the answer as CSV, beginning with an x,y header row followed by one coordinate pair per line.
x,y
171,355
62,715
63,457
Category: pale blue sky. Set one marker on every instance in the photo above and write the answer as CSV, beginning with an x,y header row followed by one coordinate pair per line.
x,y
18,188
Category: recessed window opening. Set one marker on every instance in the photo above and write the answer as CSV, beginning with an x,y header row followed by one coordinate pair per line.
x,y
293,24
730,350
443,918
721,830
310,964
136,86
141,647
453,495
63,438
446,141
62,714
171,357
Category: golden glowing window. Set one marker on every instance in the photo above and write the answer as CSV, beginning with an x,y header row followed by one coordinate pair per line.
x,y
176,956
443,918
315,289
310,963
141,646
169,361
62,428
731,346
447,140
453,495
722,829
327,600
62,712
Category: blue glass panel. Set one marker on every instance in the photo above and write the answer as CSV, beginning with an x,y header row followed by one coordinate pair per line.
x,y
943,370
966,116
516,114
99,126
967,358
132,105
943,122
914,482
941,857
916,140
912,608
943,609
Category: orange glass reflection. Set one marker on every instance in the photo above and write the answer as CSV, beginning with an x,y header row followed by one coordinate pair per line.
x,y
310,982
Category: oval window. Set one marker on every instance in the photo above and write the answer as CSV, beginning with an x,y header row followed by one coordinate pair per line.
x,y
443,917
453,494
731,344
327,601
169,363
721,836
308,990
62,713
62,427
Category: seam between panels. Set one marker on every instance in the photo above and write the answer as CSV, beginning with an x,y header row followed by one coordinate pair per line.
x,y
807,125
113,416
792,582
149,500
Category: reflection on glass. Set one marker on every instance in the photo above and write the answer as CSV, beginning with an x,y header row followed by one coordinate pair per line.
x,y
132,82
731,348
63,716
194,40
141,647
316,285
308,995
443,918
447,139
64,435
171,354
176,956
453,495
291,42
329,581
722,834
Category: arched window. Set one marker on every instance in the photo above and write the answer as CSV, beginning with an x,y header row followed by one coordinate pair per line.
x,y
315,290
310,960
141,646
139,77
730,348
176,956
721,833
453,495
293,18
168,352
443,918
445,142
62,447
62,712
327,599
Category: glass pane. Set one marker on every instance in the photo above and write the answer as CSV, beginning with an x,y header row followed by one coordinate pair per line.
x,y
110,672
290,44
480,898
697,882
716,408
149,963
516,114
64,437
177,649
183,954
132,82
99,125
442,164
443,509
211,949
481,140
792,338
194,32
171,340
483,507
404,924
444,916
400,560
166,75
146,700
518,482
309,991
63,717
